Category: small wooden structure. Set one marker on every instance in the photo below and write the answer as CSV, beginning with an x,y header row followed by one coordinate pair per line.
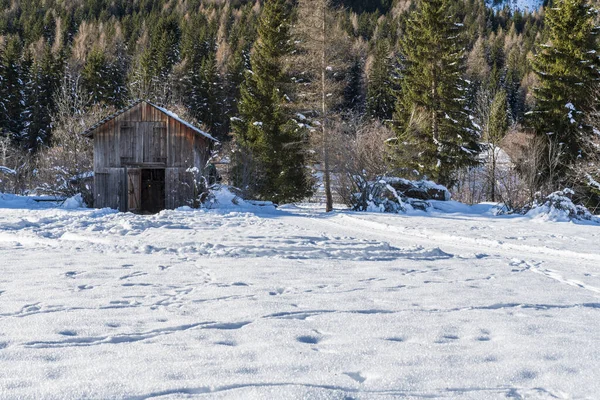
x,y
147,159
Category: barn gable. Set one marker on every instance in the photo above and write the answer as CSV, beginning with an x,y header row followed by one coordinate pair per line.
x,y
144,158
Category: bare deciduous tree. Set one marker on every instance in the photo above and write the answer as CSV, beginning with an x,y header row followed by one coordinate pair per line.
x,y
360,152
15,167
323,54
64,166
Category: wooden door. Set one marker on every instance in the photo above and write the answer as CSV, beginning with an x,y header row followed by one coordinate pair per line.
x,y
134,192
153,190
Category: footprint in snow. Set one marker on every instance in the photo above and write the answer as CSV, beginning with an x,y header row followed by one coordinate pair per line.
x,y
447,339
356,376
397,339
277,291
307,339
229,343
228,325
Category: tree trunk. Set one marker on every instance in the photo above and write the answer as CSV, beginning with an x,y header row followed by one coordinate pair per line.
x,y
326,172
493,175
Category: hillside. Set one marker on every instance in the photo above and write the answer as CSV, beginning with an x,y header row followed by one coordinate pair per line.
x,y
523,5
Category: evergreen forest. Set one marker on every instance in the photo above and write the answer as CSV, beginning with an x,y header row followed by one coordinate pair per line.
x,y
315,97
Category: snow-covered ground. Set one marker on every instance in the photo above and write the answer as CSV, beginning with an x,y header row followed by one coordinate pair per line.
x,y
252,302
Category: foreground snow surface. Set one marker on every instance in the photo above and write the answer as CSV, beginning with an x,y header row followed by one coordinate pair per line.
x,y
294,303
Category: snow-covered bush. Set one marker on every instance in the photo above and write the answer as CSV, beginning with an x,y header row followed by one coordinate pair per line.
x,y
358,153
74,202
394,195
558,206
16,167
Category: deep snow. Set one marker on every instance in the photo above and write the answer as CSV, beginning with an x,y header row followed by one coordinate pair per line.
x,y
252,302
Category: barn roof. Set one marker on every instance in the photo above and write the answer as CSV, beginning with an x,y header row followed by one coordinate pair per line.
x,y
90,131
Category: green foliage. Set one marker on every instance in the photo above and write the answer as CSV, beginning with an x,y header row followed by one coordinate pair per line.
x,y
197,53
432,93
380,94
498,124
12,76
265,129
353,92
104,79
567,70
43,77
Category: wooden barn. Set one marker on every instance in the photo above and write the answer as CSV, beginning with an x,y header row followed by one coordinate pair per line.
x,y
147,159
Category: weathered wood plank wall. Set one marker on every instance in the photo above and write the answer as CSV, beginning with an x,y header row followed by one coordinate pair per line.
x,y
145,137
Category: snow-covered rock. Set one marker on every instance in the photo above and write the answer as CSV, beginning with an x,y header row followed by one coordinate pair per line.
x,y
224,197
559,207
74,202
394,195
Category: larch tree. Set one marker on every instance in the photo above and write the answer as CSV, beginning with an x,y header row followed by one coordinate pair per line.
x,y
435,135
265,130
325,57
566,66
491,117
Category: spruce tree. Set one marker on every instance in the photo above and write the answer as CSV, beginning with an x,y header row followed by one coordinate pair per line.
x,y
567,70
353,92
41,84
435,135
11,89
380,88
265,129
104,79
201,81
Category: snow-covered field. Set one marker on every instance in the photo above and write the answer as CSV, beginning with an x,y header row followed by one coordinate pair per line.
x,y
253,302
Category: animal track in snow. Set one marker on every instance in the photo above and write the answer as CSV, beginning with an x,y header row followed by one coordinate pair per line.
x,y
308,339
356,376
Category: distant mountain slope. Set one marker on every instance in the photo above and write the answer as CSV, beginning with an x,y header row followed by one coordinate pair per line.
x,y
523,5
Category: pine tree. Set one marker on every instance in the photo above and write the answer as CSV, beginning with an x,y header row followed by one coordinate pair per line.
x,y
380,89
41,84
201,81
353,92
432,122
11,90
103,79
567,70
265,128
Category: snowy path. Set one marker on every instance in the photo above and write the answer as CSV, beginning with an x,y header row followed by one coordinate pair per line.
x,y
296,304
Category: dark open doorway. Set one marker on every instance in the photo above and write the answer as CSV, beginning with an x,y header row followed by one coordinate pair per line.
x,y
153,190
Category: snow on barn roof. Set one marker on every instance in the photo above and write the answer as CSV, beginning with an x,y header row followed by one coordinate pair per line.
x,y
89,132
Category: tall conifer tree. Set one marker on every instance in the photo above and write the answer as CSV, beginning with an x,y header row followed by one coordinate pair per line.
x,y
42,81
434,131
380,89
265,128
567,70
11,89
